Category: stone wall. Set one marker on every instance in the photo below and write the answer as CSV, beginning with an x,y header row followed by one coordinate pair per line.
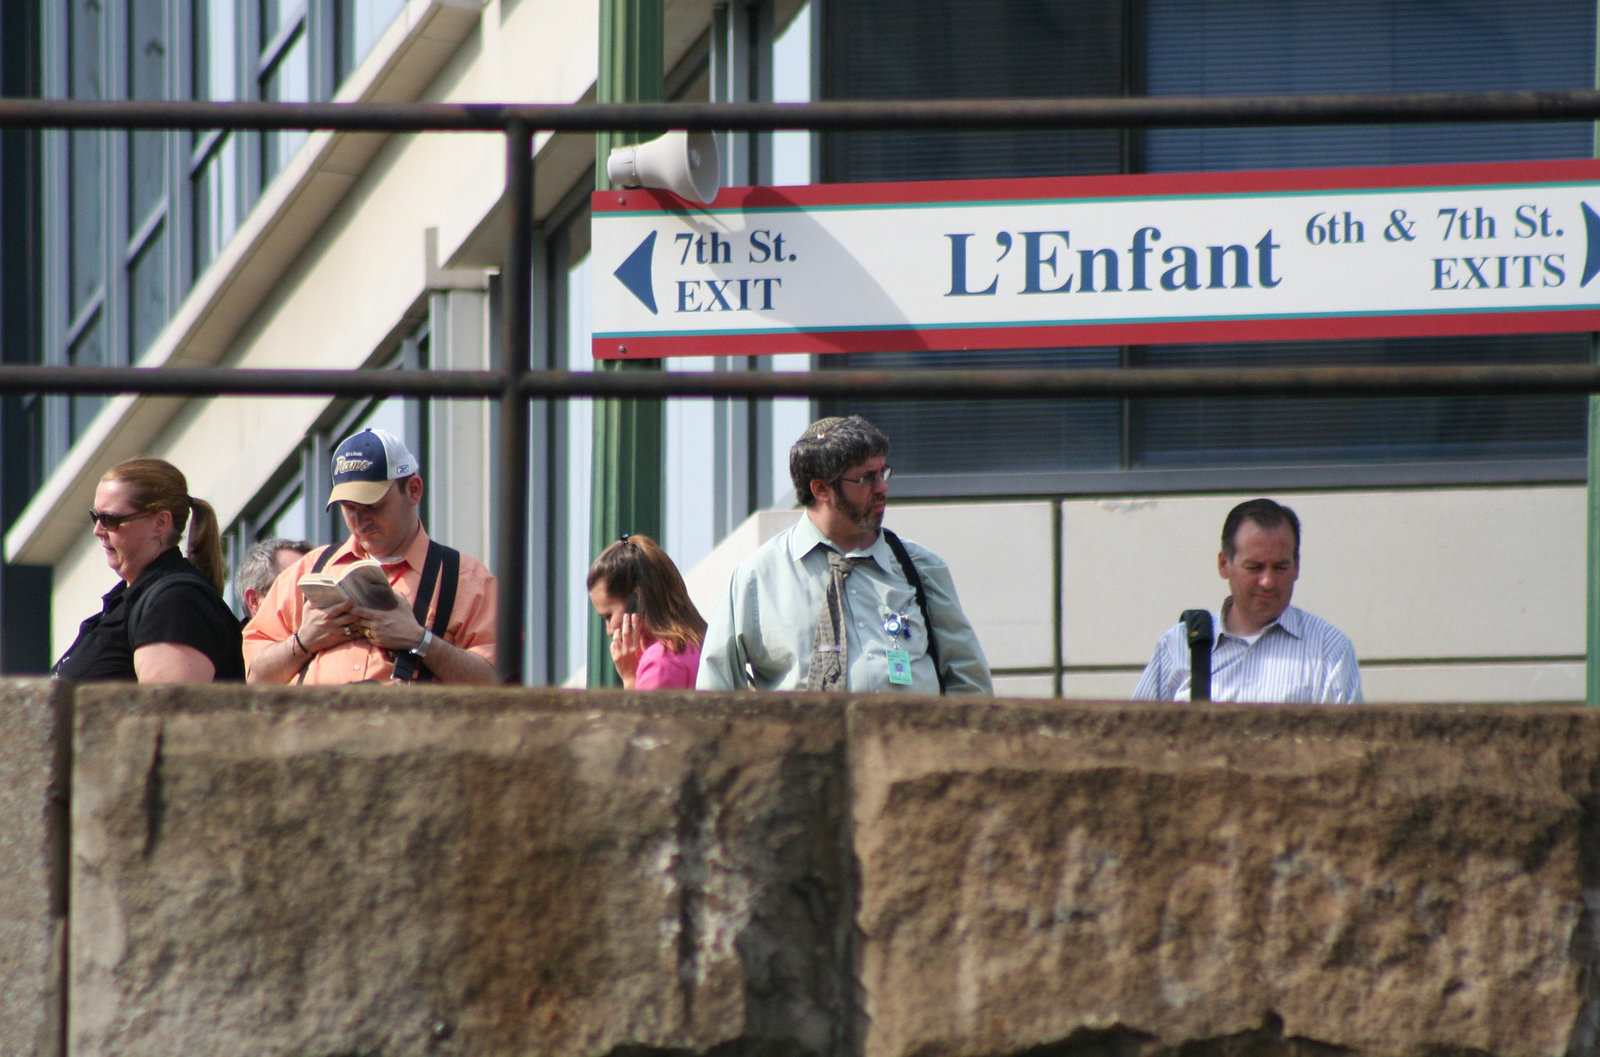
x,y
34,728
437,872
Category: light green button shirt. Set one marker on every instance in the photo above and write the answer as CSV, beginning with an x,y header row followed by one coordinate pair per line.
x,y
761,631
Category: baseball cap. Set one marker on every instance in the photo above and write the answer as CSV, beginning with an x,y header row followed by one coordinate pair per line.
x,y
364,465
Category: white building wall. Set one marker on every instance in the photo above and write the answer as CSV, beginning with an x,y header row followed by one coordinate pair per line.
x,y
1467,594
1448,594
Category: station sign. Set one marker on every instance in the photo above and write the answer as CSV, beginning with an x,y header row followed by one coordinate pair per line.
x,y
1497,248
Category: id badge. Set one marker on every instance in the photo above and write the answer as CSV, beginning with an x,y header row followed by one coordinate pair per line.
x,y
899,667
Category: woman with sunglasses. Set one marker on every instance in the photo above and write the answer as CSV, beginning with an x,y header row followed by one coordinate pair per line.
x,y
655,629
166,621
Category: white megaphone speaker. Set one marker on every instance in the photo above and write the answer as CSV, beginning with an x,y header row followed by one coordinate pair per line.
x,y
684,163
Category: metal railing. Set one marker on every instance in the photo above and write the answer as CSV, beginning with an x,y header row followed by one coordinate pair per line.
x,y
516,383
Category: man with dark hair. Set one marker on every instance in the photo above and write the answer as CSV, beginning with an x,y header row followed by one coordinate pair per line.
x,y
1265,649
262,563
837,602
444,625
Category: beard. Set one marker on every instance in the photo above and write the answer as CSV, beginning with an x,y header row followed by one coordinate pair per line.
x,y
862,516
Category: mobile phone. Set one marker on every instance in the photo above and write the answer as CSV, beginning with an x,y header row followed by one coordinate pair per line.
x,y
632,604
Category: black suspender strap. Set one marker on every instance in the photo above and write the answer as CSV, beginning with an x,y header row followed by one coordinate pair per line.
x,y
447,589
316,566
407,666
440,559
915,580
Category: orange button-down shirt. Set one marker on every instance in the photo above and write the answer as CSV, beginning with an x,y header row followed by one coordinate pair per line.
x,y
473,617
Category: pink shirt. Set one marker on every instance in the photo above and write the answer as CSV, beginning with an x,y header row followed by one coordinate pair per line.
x,y
662,669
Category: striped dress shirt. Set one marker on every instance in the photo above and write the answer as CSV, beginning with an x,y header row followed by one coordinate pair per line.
x,y
1297,659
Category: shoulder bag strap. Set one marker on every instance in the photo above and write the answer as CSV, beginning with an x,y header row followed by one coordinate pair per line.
x,y
316,567
442,568
915,580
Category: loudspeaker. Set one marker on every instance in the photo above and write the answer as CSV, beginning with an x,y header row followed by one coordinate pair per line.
x,y
684,163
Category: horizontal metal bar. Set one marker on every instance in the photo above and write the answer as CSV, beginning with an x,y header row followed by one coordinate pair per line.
x,y
923,384
832,116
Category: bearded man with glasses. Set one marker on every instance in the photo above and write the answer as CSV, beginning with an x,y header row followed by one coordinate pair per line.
x,y
838,602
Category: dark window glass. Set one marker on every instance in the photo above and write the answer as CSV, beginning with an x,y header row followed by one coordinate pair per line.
x,y
88,351
286,78
215,179
1214,47
1241,47
147,292
147,79
1030,436
280,16
216,201
216,72
360,23
917,49
85,168
1187,434
1250,47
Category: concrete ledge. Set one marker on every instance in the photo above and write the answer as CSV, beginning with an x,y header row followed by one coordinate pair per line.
x,y
438,872
1149,879
33,884
511,872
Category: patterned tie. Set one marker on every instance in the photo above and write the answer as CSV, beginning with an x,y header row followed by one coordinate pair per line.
x,y
830,644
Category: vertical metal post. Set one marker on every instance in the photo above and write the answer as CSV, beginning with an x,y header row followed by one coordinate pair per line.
x,y
1592,506
627,493
511,556
1591,638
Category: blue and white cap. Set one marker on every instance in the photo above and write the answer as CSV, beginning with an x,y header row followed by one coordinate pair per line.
x,y
366,463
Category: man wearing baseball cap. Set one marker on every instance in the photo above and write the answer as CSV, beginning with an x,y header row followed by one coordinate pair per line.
x,y
444,627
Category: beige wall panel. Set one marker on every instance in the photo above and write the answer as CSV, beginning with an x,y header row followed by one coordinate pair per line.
x,y
1098,686
1407,575
1024,686
1492,683
1400,685
1000,557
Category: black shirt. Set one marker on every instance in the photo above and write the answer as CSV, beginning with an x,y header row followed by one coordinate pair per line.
x,y
169,602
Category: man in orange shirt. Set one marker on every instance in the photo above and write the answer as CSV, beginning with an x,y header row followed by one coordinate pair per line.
x,y
378,489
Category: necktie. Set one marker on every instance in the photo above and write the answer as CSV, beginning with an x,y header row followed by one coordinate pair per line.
x,y
829,645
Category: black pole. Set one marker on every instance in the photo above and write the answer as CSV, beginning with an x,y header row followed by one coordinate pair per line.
x,y
511,558
1197,628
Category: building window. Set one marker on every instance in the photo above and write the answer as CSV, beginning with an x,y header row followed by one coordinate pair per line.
x,y
292,502
359,24
964,48
136,216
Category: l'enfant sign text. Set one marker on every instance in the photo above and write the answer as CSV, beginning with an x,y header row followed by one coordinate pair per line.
x,y
1040,263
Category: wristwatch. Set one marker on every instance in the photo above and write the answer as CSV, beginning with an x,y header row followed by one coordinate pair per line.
x,y
420,650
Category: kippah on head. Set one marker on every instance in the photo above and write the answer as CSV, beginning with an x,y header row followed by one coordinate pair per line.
x,y
829,447
818,430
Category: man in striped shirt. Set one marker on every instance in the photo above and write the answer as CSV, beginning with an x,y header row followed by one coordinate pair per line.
x,y
1266,650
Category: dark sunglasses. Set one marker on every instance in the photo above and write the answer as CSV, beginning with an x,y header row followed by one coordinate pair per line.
x,y
112,522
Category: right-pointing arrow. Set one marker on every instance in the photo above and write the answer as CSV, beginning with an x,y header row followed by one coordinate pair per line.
x,y
635,271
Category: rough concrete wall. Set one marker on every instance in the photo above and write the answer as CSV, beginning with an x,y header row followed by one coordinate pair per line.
x,y
33,798
1146,878
538,872
455,874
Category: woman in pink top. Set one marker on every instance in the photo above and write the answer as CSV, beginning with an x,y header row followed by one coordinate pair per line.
x,y
655,629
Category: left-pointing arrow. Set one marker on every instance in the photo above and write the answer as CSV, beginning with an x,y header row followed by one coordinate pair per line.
x,y
635,272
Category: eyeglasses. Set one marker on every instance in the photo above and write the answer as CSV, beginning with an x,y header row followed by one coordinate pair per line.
x,y
112,522
871,479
